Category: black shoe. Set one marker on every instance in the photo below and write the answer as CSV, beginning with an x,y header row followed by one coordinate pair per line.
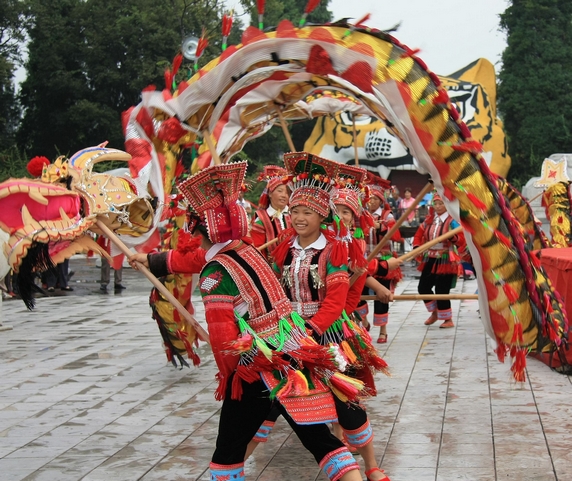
x,y
51,289
67,288
119,287
103,288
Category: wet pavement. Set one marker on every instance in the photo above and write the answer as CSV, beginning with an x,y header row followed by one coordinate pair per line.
x,y
86,393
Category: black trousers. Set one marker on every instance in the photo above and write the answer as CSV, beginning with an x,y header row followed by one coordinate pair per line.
x,y
350,416
240,420
441,282
378,306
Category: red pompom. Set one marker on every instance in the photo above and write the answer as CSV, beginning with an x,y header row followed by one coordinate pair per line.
x,y
36,165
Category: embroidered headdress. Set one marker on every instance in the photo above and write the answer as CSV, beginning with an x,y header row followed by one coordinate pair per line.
x,y
314,177
436,196
212,193
274,176
378,186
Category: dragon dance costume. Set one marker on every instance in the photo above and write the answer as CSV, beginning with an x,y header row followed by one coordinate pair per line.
x,y
260,345
440,265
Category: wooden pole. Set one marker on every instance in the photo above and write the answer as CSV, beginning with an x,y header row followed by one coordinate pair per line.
x,y
211,147
285,128
422,248
204,335
535,197
356,156
268,244
398,223
426,297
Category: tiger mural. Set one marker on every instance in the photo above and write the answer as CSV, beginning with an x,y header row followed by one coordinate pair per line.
x,y
472,90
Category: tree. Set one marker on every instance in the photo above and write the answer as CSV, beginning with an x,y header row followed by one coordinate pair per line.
x,y
534,95
89,60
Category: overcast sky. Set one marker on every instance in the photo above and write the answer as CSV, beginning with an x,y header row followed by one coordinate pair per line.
x,y
450,33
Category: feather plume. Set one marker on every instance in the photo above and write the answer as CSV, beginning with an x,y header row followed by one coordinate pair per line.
x,y
311,6
260,6
362,20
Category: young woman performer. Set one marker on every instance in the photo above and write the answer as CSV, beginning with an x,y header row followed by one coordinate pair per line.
x,y
440,264
272,216
384,220
259,344
312,265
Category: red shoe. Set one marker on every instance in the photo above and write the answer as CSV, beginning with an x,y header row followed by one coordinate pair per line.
x,y
373,470
382,339
433,318
447,324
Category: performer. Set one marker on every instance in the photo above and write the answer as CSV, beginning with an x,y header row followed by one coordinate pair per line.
x,y
386,275
312,265
259,344
440,264
272,216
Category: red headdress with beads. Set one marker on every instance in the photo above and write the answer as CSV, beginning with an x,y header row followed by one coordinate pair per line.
x,y
213,194
378,186
313,178
274,176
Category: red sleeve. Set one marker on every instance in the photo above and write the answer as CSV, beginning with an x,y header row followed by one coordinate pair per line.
x,y
219,291
188,263
419,237
354,294
257,234
396,237
223,329
337,286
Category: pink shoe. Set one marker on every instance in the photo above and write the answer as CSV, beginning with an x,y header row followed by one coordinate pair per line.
x,y
447,324
382,339
432,319
373,470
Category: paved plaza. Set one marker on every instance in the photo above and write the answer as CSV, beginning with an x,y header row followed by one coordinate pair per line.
x,y
86,394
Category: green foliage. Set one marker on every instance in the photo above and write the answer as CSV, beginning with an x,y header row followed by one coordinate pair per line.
x,y
89,60
12,164
534,95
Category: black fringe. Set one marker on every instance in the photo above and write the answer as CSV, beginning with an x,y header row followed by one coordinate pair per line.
x,y
37,260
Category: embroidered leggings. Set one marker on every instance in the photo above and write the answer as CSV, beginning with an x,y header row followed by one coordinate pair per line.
x,y
240,420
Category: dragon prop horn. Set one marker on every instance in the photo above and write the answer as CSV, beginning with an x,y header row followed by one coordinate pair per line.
x,y
310,7
260,4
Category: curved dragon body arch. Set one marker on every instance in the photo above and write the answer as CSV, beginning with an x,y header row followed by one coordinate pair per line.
x,y
235,98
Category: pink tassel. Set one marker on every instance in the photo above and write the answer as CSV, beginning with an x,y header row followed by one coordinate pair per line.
x,y
504,239
517,334
478,203
472,147
260,6
510,293
362,20
311,6
177,61
226,24
519,365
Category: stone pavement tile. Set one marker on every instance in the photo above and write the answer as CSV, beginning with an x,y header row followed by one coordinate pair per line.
x,y
66,469
411,474
124,466
410,461
468,474
449,448
417,449
456,460
467,438
510,473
